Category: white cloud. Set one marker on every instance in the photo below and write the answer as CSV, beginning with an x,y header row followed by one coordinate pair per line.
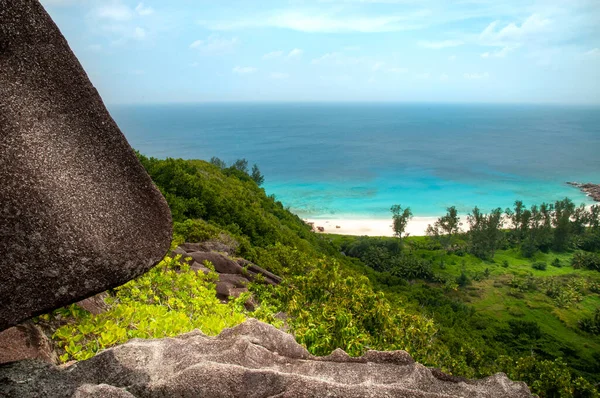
x,y
244,70
443,77
534,25
594,52
476,76
59,3
438,45
295,53
336,58
141,10
215,44
378,66
381,66
279,75
139,33
306,21
397,70
337,79
273,54
500,53
452,58
115,12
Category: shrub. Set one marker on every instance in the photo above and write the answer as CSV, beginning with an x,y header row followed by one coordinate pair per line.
x,y
591,324
541,266
463,280
167,301
586,260
329,308
556,263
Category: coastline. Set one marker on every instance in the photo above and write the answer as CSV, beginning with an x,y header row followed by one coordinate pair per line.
x,y
369,227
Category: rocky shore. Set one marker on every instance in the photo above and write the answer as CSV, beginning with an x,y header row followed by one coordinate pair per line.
x,y
591,190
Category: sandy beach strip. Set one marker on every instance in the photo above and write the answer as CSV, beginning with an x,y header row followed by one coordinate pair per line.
x,y
370,227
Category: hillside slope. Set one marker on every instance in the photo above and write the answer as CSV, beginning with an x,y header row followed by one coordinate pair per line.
x,y
330,300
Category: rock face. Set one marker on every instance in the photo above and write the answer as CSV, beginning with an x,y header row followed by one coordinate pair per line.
x,y
234,274
78,213
591,190
25,341
250,360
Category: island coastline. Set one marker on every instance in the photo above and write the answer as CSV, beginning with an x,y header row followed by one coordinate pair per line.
x,y
368,227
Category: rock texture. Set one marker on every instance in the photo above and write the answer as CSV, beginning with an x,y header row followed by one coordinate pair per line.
x,y
25,341
591,190
78,213
234,273
250,360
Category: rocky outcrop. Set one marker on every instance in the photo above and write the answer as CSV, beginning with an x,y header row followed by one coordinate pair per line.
x,y
251,360
234,273
25,341
591,190
78,213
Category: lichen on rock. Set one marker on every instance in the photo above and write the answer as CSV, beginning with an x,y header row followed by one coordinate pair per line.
x,y
78,212
250,360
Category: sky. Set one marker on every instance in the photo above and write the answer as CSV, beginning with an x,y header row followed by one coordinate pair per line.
x,y
515,51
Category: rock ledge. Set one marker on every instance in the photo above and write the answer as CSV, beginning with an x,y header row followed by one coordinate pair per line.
x,y
250,360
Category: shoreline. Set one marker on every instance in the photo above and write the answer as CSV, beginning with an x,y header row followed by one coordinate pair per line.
x,y
368,226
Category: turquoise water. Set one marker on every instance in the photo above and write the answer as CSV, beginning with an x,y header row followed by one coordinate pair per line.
x,y
356,160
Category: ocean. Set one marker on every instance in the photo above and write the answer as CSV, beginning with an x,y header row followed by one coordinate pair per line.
x,y
354,160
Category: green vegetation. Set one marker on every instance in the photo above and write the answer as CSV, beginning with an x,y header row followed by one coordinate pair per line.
x,y
167,301
400,218
523,301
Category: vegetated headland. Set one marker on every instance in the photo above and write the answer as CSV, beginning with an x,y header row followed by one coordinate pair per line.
x,y
513,290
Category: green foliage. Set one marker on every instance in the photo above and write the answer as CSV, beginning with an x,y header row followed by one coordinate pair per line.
x,y
530,329
400,218
474,340
218,162
556,263
446,227
385,293
547,378
167,301
591,324
228,198
257,177
586,260
540,265
329,308
463,280
484,232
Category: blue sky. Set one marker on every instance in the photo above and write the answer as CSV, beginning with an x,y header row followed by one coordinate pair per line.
x,y
336,50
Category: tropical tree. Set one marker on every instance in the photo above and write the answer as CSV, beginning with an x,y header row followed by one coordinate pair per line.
x,y
485,232
400,218
258,178
447,226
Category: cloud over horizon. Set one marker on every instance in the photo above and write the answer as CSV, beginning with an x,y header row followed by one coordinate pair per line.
x,y
385,50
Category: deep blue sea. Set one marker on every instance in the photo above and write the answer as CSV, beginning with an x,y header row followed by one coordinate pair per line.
x,y
356,160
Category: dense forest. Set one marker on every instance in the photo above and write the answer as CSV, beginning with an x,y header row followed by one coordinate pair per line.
x,y
518,293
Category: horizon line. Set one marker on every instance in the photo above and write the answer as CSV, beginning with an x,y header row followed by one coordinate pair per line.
x,y
357,102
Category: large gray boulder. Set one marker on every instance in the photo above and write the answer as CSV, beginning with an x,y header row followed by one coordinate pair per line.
x,y
78,213
251,360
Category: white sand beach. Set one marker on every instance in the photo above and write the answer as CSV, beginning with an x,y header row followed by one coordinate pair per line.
x,y
370,227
